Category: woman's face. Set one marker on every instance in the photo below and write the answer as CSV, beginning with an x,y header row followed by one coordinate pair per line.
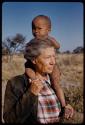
x,y
45,61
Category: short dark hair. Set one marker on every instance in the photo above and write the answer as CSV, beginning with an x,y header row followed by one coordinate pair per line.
x,y
33,48
46,18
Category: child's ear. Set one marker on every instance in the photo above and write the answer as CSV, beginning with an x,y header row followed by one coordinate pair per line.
x,y
49,30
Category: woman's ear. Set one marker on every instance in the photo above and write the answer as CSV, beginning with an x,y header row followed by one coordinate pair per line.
x,y
34,61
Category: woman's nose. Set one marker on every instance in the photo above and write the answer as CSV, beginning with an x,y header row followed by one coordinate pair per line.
x,y
52,60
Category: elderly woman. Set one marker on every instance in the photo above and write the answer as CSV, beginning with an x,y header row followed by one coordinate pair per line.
x,y
33,100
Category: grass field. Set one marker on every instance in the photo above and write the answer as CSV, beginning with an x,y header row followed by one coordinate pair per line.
x,y
71,66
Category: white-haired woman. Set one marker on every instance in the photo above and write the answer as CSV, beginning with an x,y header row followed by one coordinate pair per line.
x,y
33,100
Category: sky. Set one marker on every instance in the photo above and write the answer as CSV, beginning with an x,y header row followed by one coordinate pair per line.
x,y
66,18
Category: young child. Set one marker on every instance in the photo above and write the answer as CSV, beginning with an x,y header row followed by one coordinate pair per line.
x,y
41,27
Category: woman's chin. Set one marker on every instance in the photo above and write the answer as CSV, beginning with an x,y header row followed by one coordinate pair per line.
x,y
49,71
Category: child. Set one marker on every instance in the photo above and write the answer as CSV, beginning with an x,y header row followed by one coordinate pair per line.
x,y
41,27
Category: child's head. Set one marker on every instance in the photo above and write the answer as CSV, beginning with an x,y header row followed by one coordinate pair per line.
x,y
41,26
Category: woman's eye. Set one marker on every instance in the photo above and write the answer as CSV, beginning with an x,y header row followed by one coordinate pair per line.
x,y
48,57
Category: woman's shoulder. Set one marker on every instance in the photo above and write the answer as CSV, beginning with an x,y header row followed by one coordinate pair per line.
x,y
18,84
18,80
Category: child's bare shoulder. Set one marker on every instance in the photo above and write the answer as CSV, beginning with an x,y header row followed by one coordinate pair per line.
x,y
33,40
54,42
52,38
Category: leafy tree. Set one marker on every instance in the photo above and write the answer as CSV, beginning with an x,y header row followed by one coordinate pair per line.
x,y
78,50
11,45
67,52
18,42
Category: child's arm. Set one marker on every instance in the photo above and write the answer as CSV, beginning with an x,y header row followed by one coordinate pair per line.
x,y
55,43
55,81
60,94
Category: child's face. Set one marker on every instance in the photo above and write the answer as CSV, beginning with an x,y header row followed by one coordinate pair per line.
x,y
40,28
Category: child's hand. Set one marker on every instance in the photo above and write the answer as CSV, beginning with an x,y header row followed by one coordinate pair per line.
x,y
31,79
36,86
68,111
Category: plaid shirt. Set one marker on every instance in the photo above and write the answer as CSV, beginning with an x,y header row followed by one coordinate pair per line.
x,y
48,105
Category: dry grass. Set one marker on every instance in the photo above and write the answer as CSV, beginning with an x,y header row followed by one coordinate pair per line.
x,y
13,68
71,66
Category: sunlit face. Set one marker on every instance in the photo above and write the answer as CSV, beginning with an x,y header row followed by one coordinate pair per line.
x,y
45,61
40,28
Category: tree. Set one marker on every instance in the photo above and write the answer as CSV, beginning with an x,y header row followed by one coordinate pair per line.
x,y
78,50
12,45
67,52
18,42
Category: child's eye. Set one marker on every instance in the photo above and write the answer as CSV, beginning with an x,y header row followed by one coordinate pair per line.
x,y
39,28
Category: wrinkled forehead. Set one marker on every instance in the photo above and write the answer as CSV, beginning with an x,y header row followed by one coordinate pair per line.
x,y
47,51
